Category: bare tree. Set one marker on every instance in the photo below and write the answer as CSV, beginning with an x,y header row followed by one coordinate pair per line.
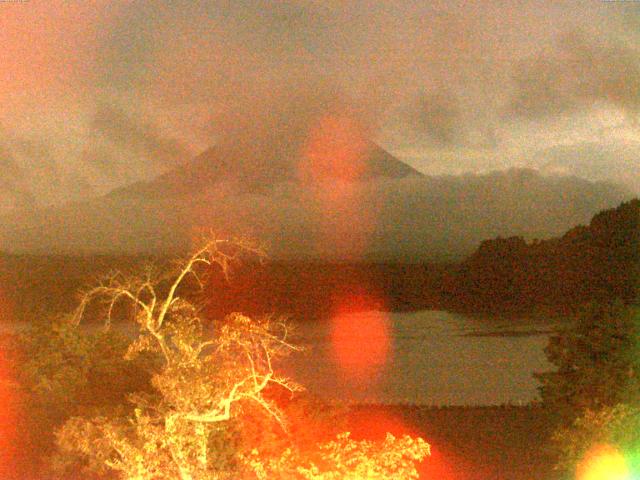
x,y
202,380
201,377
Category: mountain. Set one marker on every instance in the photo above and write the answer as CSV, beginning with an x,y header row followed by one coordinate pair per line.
x,y
259,165
382,216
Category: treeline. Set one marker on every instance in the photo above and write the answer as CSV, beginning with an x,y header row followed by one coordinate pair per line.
x,y
308,290
33,287
597,262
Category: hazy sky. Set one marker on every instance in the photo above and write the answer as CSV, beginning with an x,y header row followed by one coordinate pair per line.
x,y
97,94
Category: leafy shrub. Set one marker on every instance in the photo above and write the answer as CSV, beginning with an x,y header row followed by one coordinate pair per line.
x,y
597,361
612,429
62,371
206,382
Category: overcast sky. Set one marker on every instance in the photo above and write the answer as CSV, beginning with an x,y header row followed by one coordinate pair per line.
x,y
101,93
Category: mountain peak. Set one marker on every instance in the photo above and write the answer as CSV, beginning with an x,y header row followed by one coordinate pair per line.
x,y
254,166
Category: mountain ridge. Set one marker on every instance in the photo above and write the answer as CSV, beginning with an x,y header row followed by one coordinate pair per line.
x,y
412,218
227,163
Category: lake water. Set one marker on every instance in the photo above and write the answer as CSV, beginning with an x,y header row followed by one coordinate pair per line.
x,y
432,358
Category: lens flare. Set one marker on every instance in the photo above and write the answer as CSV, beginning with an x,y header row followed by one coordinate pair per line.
x,y
360,336
8,392
603,462
8,418
336,149
374,424
333,162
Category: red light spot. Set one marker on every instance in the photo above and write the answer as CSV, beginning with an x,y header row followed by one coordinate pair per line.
x,y
8,392
374,424
360,336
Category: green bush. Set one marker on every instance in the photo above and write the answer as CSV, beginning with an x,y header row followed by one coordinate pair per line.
x,y
613,429
597,362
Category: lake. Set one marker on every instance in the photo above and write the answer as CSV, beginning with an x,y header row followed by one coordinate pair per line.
x,y
432,358
425,357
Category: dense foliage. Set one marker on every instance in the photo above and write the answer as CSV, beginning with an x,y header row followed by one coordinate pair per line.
x,y
595,390
60,371
205,388
597,262
346,459
609,430
597,361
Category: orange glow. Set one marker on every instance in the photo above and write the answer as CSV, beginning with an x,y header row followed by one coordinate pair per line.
x,y
603,462
8,418
440,465
334,160
373,424
45,45
6,306
8,399
360,337
336,149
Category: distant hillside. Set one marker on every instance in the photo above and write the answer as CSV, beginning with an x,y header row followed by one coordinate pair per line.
x,y
600,261
506,275
594,161
408,219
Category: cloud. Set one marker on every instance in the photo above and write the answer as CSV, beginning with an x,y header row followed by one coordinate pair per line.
x,y
35,175
610,161
127,41
173,78
439,116
577,73
15,187
142,140
11,171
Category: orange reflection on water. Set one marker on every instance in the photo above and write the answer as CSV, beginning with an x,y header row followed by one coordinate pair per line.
x,y
603,462
360,337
